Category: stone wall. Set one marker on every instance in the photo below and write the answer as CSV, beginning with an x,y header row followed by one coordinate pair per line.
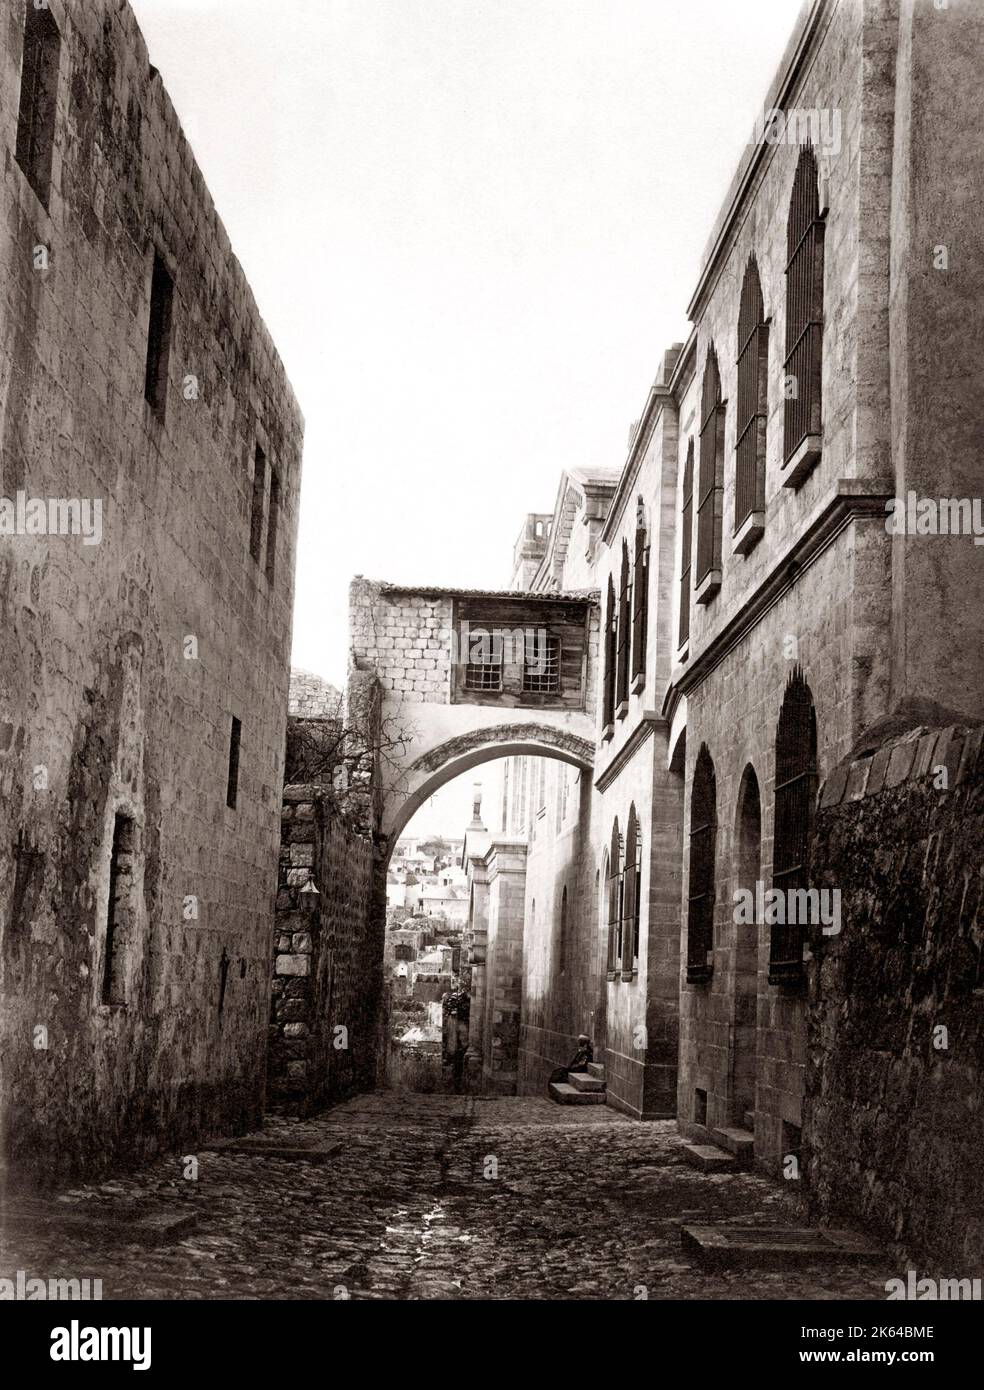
x,y
123,663
404,637
893,1124
312,697
324,1028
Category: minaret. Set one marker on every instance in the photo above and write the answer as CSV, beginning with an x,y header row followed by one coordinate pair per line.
x,y
476,820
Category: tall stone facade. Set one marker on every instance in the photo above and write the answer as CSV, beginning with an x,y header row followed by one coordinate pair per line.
x,y
802,612
141,754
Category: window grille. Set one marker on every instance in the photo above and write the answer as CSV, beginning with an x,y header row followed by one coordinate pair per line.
x,y
804,308
795,793
700,907
750,424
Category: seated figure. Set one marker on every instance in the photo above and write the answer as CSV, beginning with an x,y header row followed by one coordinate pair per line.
x,y
580,1060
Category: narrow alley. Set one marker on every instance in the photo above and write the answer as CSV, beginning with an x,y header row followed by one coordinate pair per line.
x,y
438,1197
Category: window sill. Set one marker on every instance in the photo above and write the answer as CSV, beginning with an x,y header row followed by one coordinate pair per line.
x,y
629,975
701,973
683,653
749,533
612,976
608,733
787,974
638,683
621,709
708,587
801,464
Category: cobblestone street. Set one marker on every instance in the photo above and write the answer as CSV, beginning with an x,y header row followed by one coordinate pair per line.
x,y
433,1197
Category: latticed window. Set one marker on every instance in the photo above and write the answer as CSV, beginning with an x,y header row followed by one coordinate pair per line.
x,y
640,591
703,835
796,785
38,98
804,308
688,536
616,889
541,664
624,630
750,424
484,668
608,713
709,486
632,893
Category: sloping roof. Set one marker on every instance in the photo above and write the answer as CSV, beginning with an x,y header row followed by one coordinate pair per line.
x,y
518,595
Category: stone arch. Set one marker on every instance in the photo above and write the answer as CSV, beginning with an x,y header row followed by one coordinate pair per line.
x,y
441,764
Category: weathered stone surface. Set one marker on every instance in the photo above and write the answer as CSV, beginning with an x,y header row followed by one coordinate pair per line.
x,y
293,965
405,1210
319,1054
124,662
896,1033
777,1247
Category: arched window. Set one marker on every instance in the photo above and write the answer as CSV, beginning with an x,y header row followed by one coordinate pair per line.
x,y
710,483
796,788
640,593
687,539
562,951
615,891
748,877
624,634
703,835
632,894
750,424
608,710
804,321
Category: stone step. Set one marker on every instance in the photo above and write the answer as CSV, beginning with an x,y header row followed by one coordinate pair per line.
x,y
566,1094
776,1247
709,1158
585,1082
597,1070
262,1147
119,1220
739,1142
748,1120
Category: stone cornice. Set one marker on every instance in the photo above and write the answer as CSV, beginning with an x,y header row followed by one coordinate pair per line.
x,y
851,498
659,394
646,727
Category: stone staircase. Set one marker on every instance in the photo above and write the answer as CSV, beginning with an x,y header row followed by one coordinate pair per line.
x,y
730,1148
581,1088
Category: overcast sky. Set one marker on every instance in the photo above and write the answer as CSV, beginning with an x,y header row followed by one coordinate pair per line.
x,y
472,227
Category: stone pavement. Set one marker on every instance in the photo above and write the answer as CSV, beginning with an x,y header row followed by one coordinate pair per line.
x,y
432,1196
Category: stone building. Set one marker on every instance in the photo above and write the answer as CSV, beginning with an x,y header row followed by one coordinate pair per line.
x,y
150,453
789,598
824,376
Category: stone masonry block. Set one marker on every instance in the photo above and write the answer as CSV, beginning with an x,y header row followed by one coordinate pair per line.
x,y
857,779
900,763
293,965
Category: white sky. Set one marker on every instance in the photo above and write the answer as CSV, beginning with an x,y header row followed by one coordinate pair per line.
x,y
472,227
